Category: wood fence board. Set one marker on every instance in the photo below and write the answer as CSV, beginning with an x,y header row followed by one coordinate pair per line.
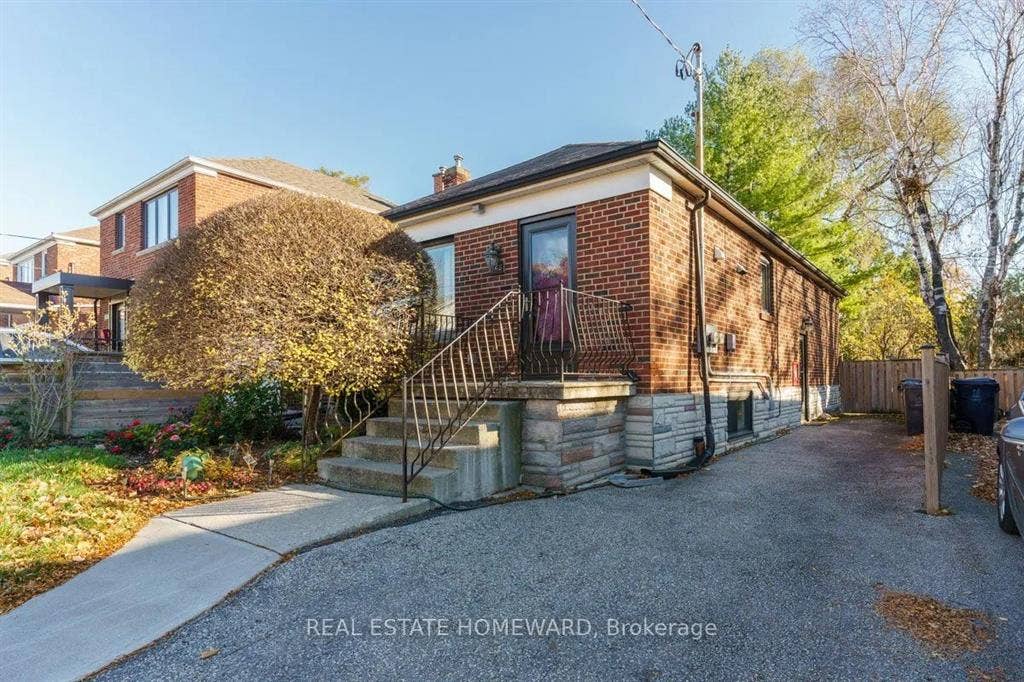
x,y
872,385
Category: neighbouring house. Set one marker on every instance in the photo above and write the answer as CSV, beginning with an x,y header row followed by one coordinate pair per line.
x,y
137,223
70,251
596,244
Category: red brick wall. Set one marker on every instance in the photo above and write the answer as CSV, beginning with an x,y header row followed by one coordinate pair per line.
x,y
198,197
766,343
476,289
636,248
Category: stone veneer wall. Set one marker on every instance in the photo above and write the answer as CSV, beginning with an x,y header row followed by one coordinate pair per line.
x,y
660,428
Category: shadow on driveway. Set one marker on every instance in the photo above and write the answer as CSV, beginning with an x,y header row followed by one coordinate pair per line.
x,y
779,545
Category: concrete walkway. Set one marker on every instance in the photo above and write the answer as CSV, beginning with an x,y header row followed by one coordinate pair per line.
x,y
178,566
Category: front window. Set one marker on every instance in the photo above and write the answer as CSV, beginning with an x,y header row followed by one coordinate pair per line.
x,y
24,273
160,219
119,231
443,258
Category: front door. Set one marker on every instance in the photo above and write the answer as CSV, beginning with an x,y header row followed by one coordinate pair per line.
x,y
804,379
548,264
118,326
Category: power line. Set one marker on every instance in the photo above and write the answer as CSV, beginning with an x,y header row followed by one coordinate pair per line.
x,y
657,28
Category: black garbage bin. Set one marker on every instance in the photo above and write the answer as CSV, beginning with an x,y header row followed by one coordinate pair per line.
x,y
974,404
913,406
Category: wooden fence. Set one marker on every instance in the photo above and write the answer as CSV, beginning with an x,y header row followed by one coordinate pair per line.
x,y
872,385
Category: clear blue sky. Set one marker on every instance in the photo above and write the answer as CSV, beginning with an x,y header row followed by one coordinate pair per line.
x,y
95,97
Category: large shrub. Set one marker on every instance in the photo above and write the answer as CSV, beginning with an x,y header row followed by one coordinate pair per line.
x,y
302,291
252,411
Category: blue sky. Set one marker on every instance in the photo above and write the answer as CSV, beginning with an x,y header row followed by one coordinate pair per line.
x,y
95,97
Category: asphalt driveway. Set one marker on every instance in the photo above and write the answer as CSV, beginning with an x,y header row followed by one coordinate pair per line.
x,y
778,548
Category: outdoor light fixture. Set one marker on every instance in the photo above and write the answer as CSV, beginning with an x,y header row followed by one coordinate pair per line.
x,y
478,208
493,260
808,323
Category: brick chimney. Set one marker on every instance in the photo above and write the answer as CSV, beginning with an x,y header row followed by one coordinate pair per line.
x,y
449,177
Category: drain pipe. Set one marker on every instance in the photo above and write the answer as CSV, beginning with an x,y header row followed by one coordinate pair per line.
x,y
705,361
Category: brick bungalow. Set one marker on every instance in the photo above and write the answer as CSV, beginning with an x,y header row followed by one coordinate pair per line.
x,y
138,223
616,220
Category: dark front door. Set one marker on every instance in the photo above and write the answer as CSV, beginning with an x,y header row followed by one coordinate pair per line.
x,y
548,264
804,379
118,328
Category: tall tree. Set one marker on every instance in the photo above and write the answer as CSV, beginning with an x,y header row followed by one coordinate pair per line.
x,y
765,144
994,30
890,63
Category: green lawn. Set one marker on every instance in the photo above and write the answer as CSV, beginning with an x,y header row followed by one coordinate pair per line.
x,y
64,508
60,511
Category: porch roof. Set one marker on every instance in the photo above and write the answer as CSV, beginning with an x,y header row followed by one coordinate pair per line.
x,y
87,286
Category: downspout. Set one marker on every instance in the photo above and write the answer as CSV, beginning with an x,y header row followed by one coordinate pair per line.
x,y
705,361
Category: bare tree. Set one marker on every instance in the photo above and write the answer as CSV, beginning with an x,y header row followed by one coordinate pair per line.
x,y
994,33
891,61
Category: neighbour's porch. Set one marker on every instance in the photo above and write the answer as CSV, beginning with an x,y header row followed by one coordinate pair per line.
x,y
68,287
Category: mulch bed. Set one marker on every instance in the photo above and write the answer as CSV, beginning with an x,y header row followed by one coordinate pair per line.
x,y
946,630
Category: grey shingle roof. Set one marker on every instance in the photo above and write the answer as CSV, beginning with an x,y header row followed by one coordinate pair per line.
x,y
305,179
557,162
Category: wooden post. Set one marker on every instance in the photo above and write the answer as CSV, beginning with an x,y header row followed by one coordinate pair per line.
x,y
69,396
933,458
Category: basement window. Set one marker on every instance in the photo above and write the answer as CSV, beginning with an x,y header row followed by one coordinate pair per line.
x,y
740,416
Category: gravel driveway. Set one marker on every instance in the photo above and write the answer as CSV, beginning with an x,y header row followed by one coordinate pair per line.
x,y
779,547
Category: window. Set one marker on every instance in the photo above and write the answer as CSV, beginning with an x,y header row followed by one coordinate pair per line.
x,y
740,415
25,273
119,231
42,264
443,258
160,219
767,286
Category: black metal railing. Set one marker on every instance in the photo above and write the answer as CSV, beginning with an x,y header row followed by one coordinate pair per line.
x,y
551,333
571,334
429,331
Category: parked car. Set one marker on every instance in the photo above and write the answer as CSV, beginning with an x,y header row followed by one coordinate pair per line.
x,y
1010,504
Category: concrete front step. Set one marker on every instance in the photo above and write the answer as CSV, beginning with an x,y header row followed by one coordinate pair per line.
x,y
366,474
473,433
492,410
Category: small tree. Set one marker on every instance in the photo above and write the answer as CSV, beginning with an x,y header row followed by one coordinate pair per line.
x,y
309,292
44,387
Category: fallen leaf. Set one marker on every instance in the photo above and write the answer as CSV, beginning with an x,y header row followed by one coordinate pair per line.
x,y
209,653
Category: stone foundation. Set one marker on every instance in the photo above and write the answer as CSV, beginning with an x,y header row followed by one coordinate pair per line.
x,y
573,433
660,428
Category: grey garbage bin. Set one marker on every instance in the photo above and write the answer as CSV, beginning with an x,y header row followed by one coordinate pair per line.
x,y
913,406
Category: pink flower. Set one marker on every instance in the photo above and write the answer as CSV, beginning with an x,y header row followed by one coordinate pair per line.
x,y
175,438
136,422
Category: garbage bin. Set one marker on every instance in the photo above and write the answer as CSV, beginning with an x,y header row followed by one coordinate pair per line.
x,y
913,406
974,405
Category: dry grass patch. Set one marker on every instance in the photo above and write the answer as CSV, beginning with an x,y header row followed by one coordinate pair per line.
x,y
946,630
62,509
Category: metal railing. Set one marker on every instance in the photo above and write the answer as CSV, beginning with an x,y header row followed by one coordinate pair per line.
x,y
550,333
571,334
429,331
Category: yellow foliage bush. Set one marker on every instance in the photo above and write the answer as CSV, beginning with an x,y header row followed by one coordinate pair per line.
x,y
302,290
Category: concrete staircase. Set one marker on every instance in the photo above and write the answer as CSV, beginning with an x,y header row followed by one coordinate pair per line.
x,y
482,459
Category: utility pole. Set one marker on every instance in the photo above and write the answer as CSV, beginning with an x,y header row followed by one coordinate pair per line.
x,y
692,66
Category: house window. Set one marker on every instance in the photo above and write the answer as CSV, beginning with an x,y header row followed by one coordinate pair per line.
x,y
767,286
443,258
24,273
740,416
119,231
42,264
160,219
